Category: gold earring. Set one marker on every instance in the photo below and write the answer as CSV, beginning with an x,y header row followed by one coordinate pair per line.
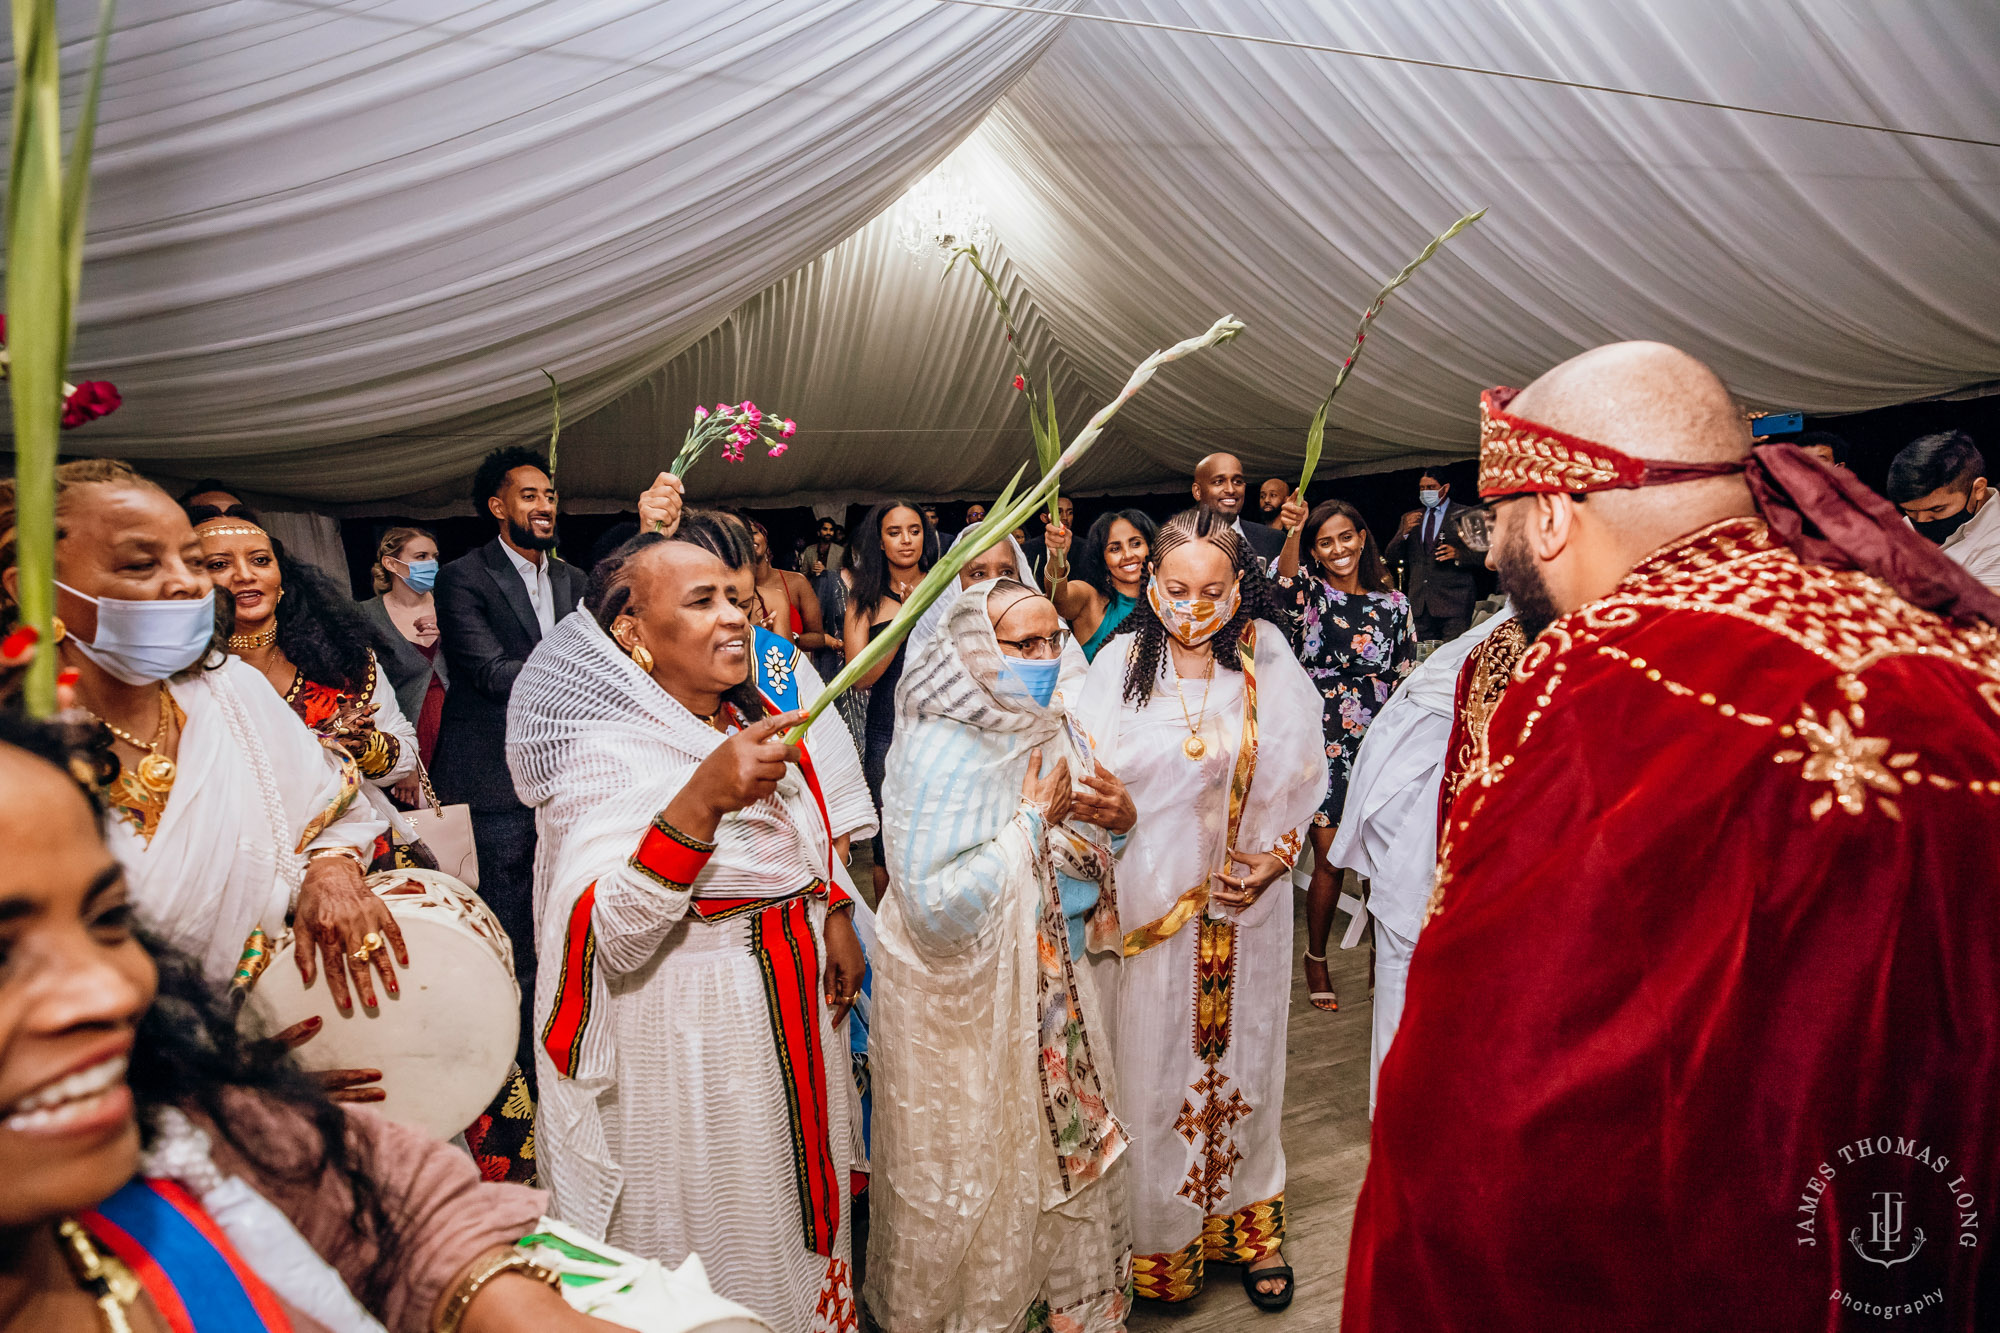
x,y
641,658
57,630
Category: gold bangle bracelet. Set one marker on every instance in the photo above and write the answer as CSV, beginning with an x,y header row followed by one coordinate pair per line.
x,y
509,1260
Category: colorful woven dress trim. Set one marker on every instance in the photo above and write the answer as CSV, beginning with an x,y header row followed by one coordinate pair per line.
x,y
195,1277
1195,901
787,954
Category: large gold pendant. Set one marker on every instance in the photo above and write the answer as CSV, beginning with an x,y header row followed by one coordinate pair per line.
x,y
1194,747
156,773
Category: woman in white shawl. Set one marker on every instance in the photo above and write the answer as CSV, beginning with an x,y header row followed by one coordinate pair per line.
x,y
228,816
995,1202
1213,725
686,1038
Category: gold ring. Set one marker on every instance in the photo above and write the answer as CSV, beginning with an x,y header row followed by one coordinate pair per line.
x,y
359,955
371,942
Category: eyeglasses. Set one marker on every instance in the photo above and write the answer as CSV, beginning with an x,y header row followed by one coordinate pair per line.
x,y
1475,528
1039,648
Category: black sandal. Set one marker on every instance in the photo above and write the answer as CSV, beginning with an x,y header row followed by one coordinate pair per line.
x,y
1274,1300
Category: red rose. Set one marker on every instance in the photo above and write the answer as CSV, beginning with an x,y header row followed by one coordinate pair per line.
x,y
92,399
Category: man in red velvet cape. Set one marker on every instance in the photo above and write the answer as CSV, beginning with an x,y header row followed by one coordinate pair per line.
x,y
1704,1029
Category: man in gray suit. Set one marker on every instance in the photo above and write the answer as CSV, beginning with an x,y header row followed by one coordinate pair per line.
x,y
1439,583
493,607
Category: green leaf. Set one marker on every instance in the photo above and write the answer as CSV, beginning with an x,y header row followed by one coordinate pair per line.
x,y
1316,433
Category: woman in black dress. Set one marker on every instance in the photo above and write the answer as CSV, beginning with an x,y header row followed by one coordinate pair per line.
x,y
1355,637
891,548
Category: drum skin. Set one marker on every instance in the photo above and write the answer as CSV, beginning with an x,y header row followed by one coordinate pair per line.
x,y
446,1043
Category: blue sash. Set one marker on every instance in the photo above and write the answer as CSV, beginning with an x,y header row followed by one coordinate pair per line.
x,y
182,1259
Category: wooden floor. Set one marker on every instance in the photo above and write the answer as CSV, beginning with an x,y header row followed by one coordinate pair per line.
x,y
1326,1154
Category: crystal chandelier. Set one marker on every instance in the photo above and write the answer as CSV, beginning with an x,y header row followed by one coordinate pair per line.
x,y
938,216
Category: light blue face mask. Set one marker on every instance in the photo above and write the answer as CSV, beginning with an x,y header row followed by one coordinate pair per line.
x,y
423,575
1029,678
141,642
1430,499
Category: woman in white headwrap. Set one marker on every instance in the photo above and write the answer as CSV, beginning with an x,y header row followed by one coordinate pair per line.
x,y
1209,718
687,1030
996,1203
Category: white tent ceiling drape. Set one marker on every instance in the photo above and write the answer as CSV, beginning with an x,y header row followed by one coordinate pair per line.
x,y
331,244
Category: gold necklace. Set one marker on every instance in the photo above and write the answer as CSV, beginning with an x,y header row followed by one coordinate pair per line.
x,y
156,771
104,1276
263,638
1194,747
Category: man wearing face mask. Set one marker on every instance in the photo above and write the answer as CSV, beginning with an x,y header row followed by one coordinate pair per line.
x,y
493,607
1940,484
1439,585
227,814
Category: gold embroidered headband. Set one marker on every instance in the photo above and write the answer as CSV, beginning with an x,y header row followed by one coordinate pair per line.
x,y
1521,457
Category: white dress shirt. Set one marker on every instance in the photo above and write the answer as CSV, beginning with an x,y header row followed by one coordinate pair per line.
x,y
541,595
1977,544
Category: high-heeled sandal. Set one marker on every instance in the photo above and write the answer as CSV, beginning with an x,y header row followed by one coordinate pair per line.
x,y
1332,1004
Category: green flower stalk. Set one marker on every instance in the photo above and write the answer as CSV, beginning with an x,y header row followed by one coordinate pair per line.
x,y
44,221
1006,514
555,431
1042,413
1316,433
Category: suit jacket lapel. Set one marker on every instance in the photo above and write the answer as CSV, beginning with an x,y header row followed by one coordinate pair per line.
x,y
512,589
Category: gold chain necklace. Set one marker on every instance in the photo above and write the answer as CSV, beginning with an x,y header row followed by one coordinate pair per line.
x,y
1194,747
104,1276
156,771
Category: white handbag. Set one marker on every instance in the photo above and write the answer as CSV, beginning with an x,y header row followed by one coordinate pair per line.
x,y
447,831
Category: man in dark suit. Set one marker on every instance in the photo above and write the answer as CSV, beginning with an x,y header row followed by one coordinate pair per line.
x,y
1219,485
493,607
1439,583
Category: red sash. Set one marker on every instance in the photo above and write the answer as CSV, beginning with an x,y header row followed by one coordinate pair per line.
x,y
787,953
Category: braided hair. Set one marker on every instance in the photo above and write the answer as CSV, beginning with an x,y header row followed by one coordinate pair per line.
x,y
1142,667
608,595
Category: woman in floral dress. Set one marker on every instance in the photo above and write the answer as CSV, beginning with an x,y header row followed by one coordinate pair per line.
x,y
1355,637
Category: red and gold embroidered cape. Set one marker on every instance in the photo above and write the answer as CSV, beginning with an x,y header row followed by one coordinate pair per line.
x,y
1716,904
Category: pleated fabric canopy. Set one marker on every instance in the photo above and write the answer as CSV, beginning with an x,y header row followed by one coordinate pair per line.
x,y
332,245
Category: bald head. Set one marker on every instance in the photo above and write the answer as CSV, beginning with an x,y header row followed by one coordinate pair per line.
x,y
1218,484
1645,399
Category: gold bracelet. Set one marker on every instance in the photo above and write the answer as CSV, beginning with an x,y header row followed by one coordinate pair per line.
x,y
507,1261
321,853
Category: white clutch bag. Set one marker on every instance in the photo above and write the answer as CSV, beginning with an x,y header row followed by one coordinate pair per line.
x,y
606,1283
447,831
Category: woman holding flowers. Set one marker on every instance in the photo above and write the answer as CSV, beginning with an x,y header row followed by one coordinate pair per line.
x,y
1194,710
891,546
1355,637
998,1203
1109,577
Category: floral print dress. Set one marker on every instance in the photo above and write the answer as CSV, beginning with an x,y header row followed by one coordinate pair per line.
x,y
1356,648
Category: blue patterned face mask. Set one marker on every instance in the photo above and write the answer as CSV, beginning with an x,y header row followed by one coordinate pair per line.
x,y
1022,677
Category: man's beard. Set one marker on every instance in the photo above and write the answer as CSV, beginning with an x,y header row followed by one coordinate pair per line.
x,y
1521,579
525,539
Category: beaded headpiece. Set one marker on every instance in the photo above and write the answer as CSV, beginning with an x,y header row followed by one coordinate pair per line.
x,y
229,527
1519,457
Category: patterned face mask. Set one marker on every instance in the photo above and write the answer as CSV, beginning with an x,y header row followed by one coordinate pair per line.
x,y
1194,621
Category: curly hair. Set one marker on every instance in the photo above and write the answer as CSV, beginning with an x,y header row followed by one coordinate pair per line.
x,y
871,562
189,1055
609,593
493,470
1089,566
1373,573
1142,666
391,546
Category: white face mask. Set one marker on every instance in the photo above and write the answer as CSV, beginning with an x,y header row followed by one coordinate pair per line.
x,y
141,642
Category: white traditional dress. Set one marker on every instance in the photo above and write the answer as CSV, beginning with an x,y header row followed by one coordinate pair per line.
x,y
1205,990
997,1200
1388,831
254,794
684,1053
